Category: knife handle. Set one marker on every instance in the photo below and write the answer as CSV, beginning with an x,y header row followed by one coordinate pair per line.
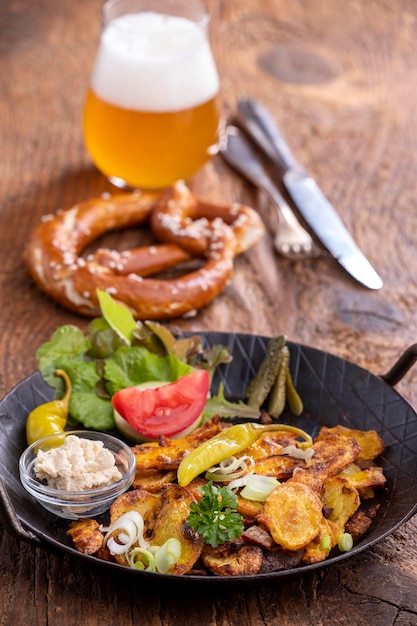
x,y
261,126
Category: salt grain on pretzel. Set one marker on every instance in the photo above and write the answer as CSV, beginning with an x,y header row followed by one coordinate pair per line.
x,y
185,226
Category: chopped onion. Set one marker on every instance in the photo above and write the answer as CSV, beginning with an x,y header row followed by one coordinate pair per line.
x,y
298,453
168,555
125,532
230,469
258,487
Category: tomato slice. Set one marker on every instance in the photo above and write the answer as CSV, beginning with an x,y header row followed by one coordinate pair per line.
x,y
164,410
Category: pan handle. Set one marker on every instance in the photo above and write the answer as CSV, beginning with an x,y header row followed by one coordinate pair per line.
x,y
10,520
401,367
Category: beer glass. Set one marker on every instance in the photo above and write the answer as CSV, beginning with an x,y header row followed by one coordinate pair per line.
x,y
151,112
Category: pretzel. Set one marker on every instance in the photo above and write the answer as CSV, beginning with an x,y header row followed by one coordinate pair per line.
x,y
184,225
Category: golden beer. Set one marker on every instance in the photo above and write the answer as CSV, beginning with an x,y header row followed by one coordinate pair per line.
x,y
149,149
150,115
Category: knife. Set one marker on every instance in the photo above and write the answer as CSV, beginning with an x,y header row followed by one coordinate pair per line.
x,y
315,208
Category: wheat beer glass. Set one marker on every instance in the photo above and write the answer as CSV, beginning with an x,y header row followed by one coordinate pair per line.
x,y
151,111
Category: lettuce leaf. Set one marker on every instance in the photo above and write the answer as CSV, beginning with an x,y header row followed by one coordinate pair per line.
x,y
86,406
118,352
118,317
218,405
67,341
128,367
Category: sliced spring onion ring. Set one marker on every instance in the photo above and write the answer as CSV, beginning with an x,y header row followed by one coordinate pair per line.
x,y
156,558
298,453
258,487
239,482
345,542
168,555
325,542
230,469
350,469
125,532
146,560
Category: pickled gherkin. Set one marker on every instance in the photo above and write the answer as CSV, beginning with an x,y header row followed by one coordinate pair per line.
x,y
273,382
277,396
294,401
258,390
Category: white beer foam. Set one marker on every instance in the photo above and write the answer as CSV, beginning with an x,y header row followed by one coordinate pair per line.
x,y
153,62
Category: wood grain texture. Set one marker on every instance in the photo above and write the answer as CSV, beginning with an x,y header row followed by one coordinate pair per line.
x,y
341,79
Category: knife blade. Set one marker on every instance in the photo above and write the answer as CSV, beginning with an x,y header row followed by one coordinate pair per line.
x,y
313,205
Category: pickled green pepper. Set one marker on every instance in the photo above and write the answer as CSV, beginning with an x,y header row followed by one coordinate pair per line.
x,y
49,418
227,443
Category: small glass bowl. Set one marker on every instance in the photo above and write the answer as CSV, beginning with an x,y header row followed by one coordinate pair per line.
x,y
76,504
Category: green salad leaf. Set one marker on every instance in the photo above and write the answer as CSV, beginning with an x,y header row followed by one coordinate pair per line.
x,y
118,317
185,348
102,340
67,340
118,352
219,405
85,405
132,366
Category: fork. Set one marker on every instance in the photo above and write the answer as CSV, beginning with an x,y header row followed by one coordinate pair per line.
x,y
291,239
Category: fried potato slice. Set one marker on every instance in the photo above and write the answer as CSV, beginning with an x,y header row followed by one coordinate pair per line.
x,y
293,513
317,550
370,443
194,487
169,455
137,500
86,535
170,520
371,477
270,443
332,454
152,479
341,498
366,493
233,559
280,466
249,509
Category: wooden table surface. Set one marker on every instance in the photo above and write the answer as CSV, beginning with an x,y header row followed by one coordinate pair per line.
x,y
341,79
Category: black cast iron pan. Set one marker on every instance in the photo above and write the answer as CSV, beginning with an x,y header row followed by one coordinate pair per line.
x,y
334,391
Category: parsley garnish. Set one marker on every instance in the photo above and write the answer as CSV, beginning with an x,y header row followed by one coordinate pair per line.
x,y
215,517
